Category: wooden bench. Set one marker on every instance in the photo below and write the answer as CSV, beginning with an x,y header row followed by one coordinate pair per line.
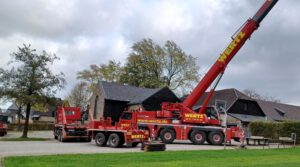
x,y
257,140
288,140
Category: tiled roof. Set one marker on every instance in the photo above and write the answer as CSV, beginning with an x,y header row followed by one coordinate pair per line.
x,y
275,111
119,92
228,95
280,111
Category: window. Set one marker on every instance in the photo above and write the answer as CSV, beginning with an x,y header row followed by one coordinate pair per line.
x,y
70,112
126,116
245,106
95,107
220,104
280,112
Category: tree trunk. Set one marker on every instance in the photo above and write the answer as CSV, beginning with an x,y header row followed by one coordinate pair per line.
x,y
19,118
25,130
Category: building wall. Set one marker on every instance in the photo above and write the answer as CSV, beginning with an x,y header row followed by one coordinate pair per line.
x,y
154,102
114,109
97,112
246,107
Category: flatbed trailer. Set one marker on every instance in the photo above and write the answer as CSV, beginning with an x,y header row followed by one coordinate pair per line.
x,y
115,135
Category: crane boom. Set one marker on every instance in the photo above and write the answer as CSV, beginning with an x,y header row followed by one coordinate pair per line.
x,y
238,41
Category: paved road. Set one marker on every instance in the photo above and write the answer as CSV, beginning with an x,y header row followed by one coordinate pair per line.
x,y
54,147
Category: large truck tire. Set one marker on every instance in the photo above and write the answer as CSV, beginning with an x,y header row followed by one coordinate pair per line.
x,y
198,137
114,140
134,144
167,136
216,138
100,139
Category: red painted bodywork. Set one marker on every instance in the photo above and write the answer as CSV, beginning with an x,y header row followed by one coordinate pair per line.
x,y
127,127
180,116
3,129
69,121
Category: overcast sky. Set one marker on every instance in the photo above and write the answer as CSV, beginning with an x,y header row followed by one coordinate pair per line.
x,y
94,31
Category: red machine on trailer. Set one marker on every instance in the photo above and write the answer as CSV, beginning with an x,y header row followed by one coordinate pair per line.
x,y
179,121
125,131
69,124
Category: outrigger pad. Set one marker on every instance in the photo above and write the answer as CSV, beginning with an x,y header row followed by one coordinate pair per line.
x,y
153,146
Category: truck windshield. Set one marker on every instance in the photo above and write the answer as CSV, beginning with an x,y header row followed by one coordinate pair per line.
x,y
211,112
127,116
3,118
70,112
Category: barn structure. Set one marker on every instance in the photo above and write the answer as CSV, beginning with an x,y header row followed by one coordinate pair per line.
x,y
110,99
244,109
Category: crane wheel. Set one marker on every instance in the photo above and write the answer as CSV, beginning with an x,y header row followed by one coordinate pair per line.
x,y
114,140
100,139
216,138
167,136
198,137
134,144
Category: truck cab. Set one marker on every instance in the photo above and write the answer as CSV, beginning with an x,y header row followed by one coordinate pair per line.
x,y
69,124
3,125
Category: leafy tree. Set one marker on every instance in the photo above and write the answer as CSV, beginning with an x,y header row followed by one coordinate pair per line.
x,y
180,69
144,67
79,95
29,80
150,65
110,72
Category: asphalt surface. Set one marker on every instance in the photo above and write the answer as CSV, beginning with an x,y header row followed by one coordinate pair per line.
x,y
13,148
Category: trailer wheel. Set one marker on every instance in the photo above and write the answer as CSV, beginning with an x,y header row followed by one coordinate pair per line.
x,y
134,144
198,137
100,139
114,140
167,136
216,138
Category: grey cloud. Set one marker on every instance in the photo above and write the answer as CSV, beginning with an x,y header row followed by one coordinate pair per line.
x,y
93,32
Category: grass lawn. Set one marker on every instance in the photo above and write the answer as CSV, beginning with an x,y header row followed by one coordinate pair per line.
x,y
24,139
221,158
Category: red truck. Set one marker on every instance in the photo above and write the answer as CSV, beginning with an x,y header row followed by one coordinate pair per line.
x,y
69,124
179,121
3,126
115,135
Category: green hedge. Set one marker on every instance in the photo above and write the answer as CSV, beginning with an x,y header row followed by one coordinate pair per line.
x,y
275,129
33,126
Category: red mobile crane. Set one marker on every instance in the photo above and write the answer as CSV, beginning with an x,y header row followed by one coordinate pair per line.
x,y
179,121
69,124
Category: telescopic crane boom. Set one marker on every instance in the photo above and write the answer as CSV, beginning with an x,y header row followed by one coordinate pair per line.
x,y
238,41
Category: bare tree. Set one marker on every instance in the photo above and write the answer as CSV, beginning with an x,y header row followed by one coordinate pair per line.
x,y
254,95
